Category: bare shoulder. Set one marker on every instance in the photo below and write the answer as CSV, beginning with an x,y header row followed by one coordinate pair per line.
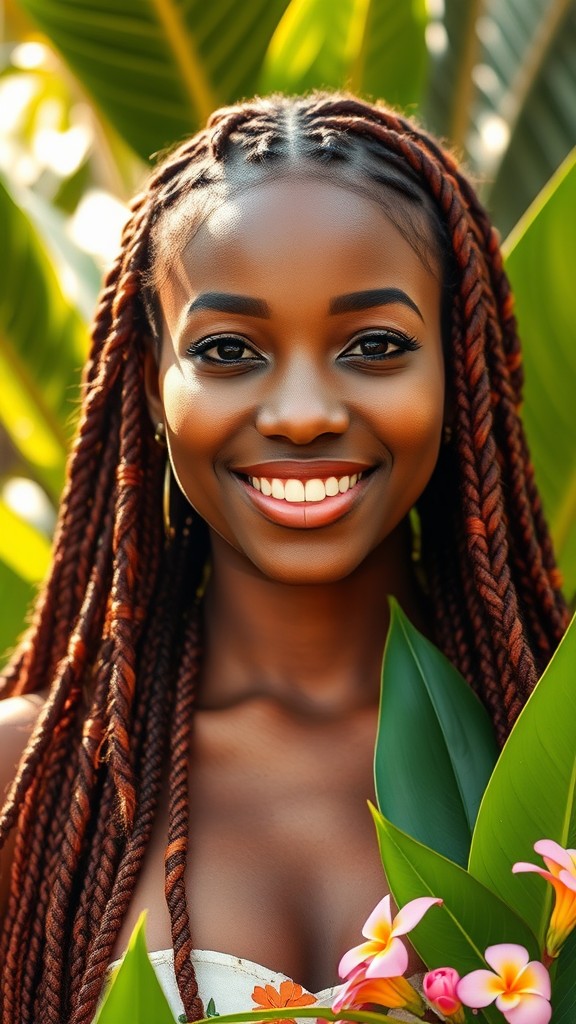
x,y
18,716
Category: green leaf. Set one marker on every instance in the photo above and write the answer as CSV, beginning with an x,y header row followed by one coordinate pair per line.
x,y
359,44
135,995
564,988
83,276
470,918
158,68
23,548
15,596
435,747
530,45
540,259
502,89
42,346
532,792
450,85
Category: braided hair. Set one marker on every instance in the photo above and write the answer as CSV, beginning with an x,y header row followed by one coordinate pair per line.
x,y
115,633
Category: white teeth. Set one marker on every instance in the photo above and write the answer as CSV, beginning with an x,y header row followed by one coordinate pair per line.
x,y
298,491
277,489
314,490
294,491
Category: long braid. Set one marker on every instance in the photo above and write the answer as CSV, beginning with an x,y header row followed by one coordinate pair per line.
x,y
114,635
151,735
176,851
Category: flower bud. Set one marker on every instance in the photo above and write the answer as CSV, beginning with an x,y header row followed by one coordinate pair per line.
x,y
440,990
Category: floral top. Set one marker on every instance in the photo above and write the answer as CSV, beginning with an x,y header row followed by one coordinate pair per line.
x,y
227,984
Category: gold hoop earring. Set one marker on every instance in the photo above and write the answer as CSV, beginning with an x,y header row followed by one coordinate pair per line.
x,y
169,531
160,435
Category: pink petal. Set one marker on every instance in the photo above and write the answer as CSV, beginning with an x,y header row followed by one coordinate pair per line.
x,y
357,956
548,848
340,998
408,916
535,980
530,1010
390,963
507,955
522,865
478,989
379,924
568,879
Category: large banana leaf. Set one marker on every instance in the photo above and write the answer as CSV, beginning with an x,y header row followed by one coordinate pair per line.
x,y
532,793
435,746
157,68
353,43
42,346
540,258
509,69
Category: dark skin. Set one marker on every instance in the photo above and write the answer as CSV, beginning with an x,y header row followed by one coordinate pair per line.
x,y
283,863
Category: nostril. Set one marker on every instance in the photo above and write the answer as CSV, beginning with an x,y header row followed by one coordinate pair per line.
x,y
303,425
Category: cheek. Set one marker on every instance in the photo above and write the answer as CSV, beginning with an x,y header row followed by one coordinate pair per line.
x,y
180,398
189,411
411,417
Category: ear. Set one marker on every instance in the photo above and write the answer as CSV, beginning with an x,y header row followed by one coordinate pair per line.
x,y
152,387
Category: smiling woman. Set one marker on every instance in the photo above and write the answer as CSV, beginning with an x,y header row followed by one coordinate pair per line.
x,y
331,373
307,344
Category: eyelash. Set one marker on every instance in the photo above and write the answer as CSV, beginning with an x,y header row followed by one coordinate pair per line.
x,y
402,343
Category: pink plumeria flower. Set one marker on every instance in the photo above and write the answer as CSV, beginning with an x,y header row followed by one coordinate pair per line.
x,y
440,991
385,955
519,986
561,873
361,992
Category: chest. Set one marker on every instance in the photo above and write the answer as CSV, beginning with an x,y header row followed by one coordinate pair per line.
x,y
283,865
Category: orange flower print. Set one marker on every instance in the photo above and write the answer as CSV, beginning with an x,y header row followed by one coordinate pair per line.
x,y
290,994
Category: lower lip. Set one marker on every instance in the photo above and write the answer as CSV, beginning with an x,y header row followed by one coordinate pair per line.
x,y
305,515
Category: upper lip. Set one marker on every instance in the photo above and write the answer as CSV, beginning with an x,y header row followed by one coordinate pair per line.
x,y
311,469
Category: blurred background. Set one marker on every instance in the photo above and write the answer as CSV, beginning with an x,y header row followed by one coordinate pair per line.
x,y
90,90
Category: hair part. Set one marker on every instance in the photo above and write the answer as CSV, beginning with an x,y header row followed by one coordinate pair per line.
x,y
115,633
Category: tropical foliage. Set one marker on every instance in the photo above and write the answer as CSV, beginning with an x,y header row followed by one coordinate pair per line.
x,y
89,91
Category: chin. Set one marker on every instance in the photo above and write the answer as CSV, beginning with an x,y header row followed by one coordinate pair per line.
x,y
306,568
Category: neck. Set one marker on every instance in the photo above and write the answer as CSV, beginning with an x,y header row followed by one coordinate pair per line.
x,y
314,648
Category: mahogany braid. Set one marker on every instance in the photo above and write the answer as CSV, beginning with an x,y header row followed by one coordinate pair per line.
x,y
115,636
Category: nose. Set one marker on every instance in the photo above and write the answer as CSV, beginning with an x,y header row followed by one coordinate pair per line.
x,y
301,405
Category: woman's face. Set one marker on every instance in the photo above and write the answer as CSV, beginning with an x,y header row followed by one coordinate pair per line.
x,y
301,377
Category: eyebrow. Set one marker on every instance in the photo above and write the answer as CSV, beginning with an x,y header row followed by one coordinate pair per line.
x,y
246,305
225,302
374,297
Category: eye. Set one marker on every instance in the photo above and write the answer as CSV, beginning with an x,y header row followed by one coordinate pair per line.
x,y
223,349
380,344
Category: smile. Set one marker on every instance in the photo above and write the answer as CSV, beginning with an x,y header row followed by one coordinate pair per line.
x,y
303,491
304,501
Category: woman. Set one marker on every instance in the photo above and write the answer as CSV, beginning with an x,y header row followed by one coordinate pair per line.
x,y
309,329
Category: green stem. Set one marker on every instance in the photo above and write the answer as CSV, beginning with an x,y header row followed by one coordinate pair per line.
x,y
324,1012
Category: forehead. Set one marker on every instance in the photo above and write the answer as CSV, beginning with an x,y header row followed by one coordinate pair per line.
x,y
299,226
